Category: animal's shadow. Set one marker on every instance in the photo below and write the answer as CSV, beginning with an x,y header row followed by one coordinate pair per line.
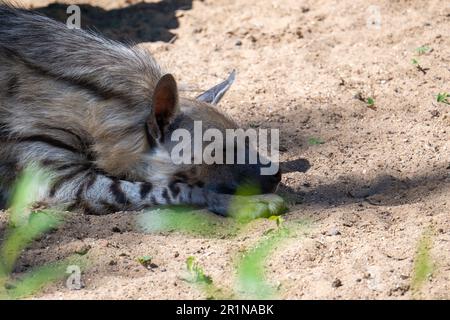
x,y
141,22
298,165
383,190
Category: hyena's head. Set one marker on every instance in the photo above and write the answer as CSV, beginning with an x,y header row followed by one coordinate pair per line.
x,y
179,124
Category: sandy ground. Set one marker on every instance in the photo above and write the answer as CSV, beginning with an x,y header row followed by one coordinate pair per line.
x,y
377,183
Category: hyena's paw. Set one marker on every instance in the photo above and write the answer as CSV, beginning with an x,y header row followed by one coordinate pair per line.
x,y
260,206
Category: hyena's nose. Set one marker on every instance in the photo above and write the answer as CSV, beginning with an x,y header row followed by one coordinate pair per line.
x,y
270,183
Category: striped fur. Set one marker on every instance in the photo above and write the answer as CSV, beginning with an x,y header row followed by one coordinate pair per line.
x,y
81,106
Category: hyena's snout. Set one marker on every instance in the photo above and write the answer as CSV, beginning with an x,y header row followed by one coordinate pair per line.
x,y
232,179
263,181
269,183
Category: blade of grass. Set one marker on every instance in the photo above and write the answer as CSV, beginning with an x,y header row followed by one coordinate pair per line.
x,y
18,238
315,141
203,281
252,281
423,264
26,191
35,280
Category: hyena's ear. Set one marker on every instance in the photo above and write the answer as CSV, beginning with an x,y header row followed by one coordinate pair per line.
x,y
165,105
216,93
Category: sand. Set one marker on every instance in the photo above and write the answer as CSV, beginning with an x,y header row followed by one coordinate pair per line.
x,y
377,183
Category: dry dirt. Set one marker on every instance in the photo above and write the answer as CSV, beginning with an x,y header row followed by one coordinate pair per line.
x,y
379,180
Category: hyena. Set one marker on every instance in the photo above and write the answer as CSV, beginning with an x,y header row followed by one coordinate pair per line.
x,y
98,115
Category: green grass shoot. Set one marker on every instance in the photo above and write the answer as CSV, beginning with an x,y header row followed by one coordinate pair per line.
x,y
315,141
145,261
443,98
25,226
198,277
278,219
252,282
34,280
423,50
423,264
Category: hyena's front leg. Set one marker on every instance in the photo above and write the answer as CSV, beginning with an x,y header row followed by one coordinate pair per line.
x,y
77,185
97,193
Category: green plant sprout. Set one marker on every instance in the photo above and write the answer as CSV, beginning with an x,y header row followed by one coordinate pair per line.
x,y
278,219
252,282
443,98
423,265
370,102
23,227
423,50
145,261
197,276
315,141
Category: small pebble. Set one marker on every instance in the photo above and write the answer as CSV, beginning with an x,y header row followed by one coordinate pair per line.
x,y
83,249
337,283
334,232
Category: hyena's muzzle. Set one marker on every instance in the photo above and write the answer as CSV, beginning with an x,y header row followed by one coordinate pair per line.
x,y
229,178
